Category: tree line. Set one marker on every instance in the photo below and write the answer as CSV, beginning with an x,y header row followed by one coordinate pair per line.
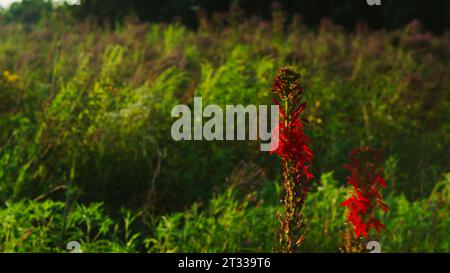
x,y
391,14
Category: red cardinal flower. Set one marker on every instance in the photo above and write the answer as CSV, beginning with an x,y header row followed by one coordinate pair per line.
x,y
292,139
367,180
295,154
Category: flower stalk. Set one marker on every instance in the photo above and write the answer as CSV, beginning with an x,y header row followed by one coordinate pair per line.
x,y
295,155
367,179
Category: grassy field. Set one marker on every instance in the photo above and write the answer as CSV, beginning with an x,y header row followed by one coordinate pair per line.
x,y
86,152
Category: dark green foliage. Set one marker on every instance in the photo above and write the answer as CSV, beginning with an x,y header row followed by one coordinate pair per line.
x,y
392,14
28,11
30,226
249,225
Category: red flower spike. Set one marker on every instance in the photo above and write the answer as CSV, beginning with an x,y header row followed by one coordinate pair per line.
x,y
295,155
366,178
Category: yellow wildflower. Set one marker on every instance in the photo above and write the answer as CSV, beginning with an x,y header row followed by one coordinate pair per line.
x,y
10,77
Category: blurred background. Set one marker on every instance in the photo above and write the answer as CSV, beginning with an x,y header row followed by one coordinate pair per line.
x,y
86,90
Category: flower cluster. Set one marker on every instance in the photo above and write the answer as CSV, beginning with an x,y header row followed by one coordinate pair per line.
x,y
10,77
292,139
296,156
367,180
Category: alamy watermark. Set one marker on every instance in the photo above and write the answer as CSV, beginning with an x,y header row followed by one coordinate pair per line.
x,y
373,2
74,247
231,126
